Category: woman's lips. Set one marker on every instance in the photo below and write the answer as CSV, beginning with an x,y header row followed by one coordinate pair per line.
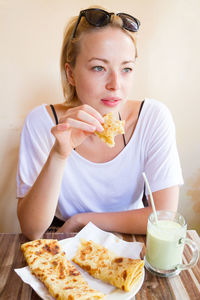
x,y
110,101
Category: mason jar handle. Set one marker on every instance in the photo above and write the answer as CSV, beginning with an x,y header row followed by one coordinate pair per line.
x,y
195,254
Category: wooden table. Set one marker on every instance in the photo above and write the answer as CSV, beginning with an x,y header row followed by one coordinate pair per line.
x,y
183,287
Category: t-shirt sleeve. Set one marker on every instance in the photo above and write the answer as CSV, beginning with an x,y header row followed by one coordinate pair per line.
x,y
162,164
35,144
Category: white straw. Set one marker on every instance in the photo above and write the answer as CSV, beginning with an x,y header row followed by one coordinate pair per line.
x,y
151,197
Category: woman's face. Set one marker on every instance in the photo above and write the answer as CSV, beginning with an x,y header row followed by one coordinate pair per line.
x,y
104,67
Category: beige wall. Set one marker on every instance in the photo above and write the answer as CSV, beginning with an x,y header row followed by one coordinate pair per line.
x,y
167,69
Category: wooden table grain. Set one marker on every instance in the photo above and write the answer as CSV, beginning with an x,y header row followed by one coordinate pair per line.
x,y
185,286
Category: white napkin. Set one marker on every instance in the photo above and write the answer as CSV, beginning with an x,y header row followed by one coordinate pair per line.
x,y
70,246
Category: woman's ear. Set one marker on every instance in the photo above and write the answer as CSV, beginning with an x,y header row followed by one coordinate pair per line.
x,y
69,74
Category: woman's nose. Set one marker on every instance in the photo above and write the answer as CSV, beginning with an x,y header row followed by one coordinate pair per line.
x,y
113,81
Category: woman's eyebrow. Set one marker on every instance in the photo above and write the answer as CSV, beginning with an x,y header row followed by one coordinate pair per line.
x,y
106,61
128,62
97,58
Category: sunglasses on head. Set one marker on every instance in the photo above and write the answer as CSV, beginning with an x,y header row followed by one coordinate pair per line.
x,y
99,18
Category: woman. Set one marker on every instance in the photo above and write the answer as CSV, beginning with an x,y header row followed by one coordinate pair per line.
x,y
65,170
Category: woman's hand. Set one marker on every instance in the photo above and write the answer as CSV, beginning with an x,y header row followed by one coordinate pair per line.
x,y
73,128
71,225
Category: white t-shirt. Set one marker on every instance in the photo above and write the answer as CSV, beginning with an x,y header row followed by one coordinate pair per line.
x,y
116,185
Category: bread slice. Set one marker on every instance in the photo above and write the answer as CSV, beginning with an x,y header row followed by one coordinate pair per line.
x,y
49,264
112,128
103,264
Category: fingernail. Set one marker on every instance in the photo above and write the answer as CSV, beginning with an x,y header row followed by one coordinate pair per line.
x,y
100,128
62,126
101,119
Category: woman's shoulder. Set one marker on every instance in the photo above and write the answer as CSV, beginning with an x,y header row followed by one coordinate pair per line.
x,y
36,112
155,104
38,117
149,101
45,110
150,107
154,113
60,109
158,109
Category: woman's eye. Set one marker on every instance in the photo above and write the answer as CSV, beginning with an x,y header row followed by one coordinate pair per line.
x,y
98,68
127,70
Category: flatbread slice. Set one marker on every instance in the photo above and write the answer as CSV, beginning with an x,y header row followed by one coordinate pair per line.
x,y
103,264
112,128
49,263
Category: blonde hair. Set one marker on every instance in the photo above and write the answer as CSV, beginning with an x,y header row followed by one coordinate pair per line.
x,y
71,47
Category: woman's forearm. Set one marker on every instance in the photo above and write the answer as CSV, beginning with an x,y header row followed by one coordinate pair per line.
x,y
133,221
36,210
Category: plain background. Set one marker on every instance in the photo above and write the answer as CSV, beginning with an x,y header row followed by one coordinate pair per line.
x,y
168,69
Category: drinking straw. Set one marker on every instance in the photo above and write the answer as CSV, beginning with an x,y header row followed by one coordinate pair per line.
x,y
151,197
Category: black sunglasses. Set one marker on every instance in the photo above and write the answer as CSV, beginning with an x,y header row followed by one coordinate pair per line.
x,y
99,17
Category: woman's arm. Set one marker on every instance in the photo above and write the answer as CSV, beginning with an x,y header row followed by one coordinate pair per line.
x,y
36,210
133,221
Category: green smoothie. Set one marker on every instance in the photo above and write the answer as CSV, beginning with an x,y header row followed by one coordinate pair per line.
x,y
163,248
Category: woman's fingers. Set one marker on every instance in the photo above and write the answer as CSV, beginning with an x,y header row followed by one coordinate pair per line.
x,y
93,112
84,117
62,127
76,124
73,124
